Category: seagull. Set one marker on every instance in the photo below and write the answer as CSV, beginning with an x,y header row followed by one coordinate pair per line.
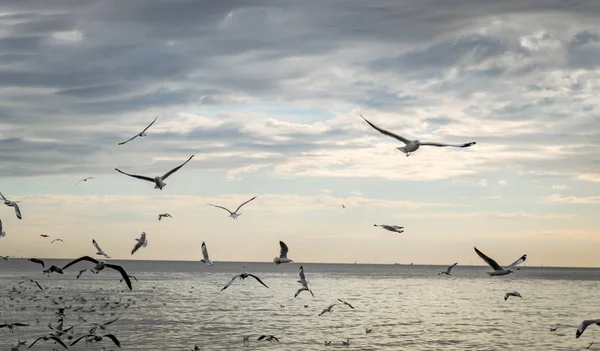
x,y
103,325
140,242
584,325
234,214
282,254
514,293
205,255
97,338
52,242
160,216
346,343
2,232
413,145
84,180
47,338
497,269
10,326
59,331
100,265
36,260
244,276
368,331
158,181
246,338
328,309
44,235
345,303
327,343
391,228
267,338
304,284
447,271
12,204
100,252
4,257
53,269
141,134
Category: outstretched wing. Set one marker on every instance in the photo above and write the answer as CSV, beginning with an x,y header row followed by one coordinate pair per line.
x,y
240,206
17,210
204,252
35,260
136,176
517,262
385,132
258,279
175,169
488,260
137,246
38,284
345,303
125,142
2,196
450,145
230,282
113,338
302,277
77,340
123,273
149,125
284,251
83,258
221,207
450,267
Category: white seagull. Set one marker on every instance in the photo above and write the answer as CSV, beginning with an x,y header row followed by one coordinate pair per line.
x,y
282,254
304,284
140,134
514,293
158,181
2,232
584,325
205,255
12,204
160,216
447,271
391,228
141,242
100,252
413,145
84,180
234,214
498,270
327,309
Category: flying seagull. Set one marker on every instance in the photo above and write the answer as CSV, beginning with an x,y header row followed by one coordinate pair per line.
x,y
140,134
304,284
447,271
327,309
84,180
391,228
283,251
53,269
48,338
244,276
413,145
12,204
36,260
267,338
97,338
158,181
142,241
100,252
498,270
33,281
345,303
10,326
234,214
514,293
584,325
2,232
44,235
205,255
100,265
61,240
160,216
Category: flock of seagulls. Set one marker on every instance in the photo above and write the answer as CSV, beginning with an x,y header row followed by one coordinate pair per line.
x,y
98,265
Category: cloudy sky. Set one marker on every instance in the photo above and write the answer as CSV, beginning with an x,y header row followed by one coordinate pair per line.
x,y
266,95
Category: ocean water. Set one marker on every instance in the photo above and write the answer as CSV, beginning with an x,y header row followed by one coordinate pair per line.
x,y
176,305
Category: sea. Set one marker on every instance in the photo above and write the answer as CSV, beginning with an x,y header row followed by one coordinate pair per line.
x,y
178,305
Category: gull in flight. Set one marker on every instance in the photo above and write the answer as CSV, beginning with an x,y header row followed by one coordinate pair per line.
x,y
160,216
413,145
327,309
12,204
10,326
267,338
100,265
49,338
205,255
234,214
345,303
61,240
584,325
158,181
2,232
100,252
84,180
514,293
304,284
282,254
33,281
140,134
44,235
391,228
52,269
244,276
447,271
97,338
498,270
103,325
142,241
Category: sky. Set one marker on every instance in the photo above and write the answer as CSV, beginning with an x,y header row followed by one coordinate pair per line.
x,y
267,96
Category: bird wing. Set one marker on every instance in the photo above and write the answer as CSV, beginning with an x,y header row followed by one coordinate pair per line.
x,y
261,337
488,260
302,277
36,340
17,210
347,304
113,338
517,262
450,267
128,140
83,258
123,273
451,145
260,281
230,282
20,324
385,132
175,169
77,340
149,125
137,246
240,206
284,251
275,338
2,196
299,291
221,207
136,176
204,252
38,284
35,260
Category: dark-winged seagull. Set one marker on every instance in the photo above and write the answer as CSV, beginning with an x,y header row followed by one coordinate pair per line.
x,y
49,338
391,228
509,294
498,270
161,215
97,338
158,181
140,134
447,271
100,265
84,180
36,260
244,276
584,325
345,303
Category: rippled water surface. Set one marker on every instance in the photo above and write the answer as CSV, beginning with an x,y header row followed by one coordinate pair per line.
x,y
178,304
